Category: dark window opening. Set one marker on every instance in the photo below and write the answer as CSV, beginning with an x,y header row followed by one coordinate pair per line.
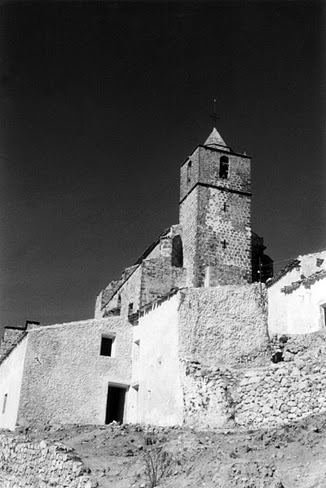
x,y
130,308
177,252
319,262
224,207
106,346
4,403
324,314
119,301
115,404
224,167
189,167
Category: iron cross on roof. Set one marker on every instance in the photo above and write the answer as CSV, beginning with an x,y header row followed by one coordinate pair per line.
x,y
214,115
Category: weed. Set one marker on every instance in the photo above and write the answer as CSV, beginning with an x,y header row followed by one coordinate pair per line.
x,y
157,461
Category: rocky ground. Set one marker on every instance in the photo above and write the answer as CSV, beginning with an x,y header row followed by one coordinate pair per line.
x,y
128,456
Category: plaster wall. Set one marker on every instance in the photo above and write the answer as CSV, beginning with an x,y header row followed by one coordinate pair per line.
x,y
11,374
65,377
225,324
98,313
308,262
298,310
11,337
160,399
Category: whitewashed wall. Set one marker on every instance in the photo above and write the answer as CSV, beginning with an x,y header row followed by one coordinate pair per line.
x,y
11,374
159,398
299,311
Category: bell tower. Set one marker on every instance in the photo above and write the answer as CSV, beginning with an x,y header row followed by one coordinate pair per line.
x,y
215,214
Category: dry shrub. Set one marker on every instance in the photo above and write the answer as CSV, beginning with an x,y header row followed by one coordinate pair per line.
x,y
157,461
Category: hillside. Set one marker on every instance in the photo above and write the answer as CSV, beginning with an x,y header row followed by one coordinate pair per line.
x,y
291,456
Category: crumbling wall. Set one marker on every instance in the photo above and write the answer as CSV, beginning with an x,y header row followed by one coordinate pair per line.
x,y
264,396
156,268
206,394
297,300
27,464
223,325
126,294
65,377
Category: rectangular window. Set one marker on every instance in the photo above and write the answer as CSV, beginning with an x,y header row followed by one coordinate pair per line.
x,y
107,346
130,308
4,403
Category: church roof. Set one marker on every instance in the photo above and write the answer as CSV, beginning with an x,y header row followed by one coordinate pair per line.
x,y
215,140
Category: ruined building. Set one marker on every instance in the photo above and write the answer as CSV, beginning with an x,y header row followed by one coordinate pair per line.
x,y
192,304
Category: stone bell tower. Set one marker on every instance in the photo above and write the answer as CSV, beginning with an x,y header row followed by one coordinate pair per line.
x,y
215,214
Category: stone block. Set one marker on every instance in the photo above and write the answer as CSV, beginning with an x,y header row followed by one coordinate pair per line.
x,y
250,381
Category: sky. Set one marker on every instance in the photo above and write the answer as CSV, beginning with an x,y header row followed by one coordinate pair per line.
x,y
100,104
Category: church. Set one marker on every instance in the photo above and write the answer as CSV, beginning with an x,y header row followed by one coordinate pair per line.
x,y
193,305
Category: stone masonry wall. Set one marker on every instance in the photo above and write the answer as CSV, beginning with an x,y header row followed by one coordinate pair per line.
x,y
288,390
129,292
239,170
65,378
216,225
216,217
205,168
189,173
261,396
158,278
206,397
188,221
27,464
112,287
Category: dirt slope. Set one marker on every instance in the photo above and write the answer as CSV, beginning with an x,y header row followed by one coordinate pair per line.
x,y
290,457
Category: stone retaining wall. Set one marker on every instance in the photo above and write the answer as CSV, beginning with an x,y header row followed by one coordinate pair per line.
x,y
28,464
288,390
275,393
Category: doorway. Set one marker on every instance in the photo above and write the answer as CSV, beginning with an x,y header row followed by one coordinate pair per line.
x,y
115,404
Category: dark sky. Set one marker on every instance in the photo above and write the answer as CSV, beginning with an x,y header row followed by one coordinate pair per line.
x,y
102,102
